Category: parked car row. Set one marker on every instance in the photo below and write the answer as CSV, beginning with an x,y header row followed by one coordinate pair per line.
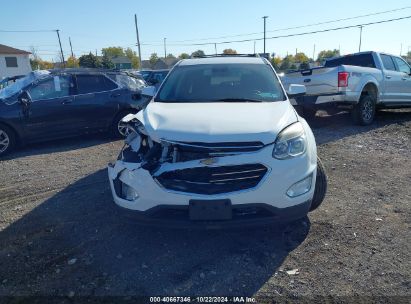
x,y
363,82
154,77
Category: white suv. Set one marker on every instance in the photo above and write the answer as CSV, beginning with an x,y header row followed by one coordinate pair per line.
x,y
219,143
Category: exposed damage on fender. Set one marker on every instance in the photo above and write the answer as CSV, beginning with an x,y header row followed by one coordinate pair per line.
x,y
217,159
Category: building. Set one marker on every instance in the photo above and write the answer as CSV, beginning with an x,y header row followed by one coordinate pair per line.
x,y
161,64
13,62
146,65
121,62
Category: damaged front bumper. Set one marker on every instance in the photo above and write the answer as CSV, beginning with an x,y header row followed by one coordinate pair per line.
x,y
248,187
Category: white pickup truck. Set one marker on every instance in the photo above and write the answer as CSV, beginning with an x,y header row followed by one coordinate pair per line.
x,y
363,82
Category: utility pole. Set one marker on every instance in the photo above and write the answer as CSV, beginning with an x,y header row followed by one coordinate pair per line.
x,y
254,47
265,17
314,53
71,48
165,48
359,47
215,48
401,50
61,49
138,42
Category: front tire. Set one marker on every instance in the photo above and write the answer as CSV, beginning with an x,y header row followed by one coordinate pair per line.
x,y
320,186
363,113
7,140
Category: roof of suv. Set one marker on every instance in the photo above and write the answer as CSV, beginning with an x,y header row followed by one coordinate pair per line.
x,y
222,60
85,71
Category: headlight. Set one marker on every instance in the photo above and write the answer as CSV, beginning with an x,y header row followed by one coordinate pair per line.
x,y
291,142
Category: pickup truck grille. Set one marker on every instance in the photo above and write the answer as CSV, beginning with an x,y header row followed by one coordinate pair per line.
x,y
213,180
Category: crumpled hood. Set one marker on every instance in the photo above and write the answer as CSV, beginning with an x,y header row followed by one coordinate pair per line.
x,y
217,122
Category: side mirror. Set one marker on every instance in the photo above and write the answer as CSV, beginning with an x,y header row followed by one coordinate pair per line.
x,y
148,91
24,98
296,90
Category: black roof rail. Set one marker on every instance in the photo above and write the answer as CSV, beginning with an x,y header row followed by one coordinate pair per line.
x,y
225,55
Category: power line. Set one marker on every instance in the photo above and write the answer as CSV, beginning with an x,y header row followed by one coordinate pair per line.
x,y
296,34
27,31
294,27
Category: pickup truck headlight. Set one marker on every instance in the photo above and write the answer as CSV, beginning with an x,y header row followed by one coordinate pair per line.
x,y
291,142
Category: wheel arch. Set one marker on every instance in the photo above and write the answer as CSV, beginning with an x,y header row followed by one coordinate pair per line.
x,y
16,134
370,89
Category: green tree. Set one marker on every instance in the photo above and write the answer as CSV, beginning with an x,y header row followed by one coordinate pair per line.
x,y
107,63
89,61
132,55
113,51
153,58
72,62
287,63
323,55
184,56
229,51
39,64
276,62
171,56
198,53
301,57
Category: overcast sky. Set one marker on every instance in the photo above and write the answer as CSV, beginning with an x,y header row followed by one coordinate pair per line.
x,y
93,25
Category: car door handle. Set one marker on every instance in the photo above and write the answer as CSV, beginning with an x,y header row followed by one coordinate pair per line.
x,y
115,95
405,78
388,77
66,101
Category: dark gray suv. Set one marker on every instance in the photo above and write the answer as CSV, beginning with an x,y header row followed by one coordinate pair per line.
x,y
53,104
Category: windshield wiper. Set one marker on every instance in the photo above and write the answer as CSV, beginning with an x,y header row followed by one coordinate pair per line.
x,y
238,100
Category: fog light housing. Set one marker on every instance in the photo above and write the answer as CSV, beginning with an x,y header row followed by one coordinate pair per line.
x,y
301,187
128,193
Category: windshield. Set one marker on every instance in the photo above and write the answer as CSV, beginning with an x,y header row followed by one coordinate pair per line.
x,y
130,82
221,83
22,83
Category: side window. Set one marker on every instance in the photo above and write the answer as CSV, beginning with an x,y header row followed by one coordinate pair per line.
x,y
159,76
11,62
387,62
93,84
53,87
402,65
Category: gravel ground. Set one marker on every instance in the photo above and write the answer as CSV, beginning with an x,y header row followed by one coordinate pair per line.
x,y
60,233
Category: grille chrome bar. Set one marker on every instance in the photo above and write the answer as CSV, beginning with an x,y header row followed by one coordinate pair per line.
x,y
213,180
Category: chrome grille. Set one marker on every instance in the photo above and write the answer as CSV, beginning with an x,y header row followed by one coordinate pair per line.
x,y
213,180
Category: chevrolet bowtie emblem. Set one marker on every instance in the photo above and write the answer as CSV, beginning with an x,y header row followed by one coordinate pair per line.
x,y
209,161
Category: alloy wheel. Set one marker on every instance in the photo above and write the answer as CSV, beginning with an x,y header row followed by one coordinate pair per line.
x,y
4,141
123,128
367,110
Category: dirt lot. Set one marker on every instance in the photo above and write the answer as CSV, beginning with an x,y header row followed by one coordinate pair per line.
x,y
60,233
